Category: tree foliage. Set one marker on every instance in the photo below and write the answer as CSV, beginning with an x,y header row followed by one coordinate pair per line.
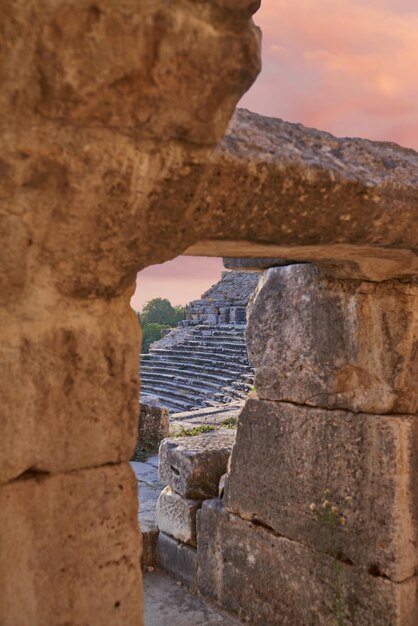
x,y
161,311
151,333
156,315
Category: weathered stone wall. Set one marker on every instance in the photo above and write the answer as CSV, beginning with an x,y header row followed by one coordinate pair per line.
x,y
334,409
103,106
109,113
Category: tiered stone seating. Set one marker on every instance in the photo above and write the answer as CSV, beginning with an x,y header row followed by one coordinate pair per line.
x,y
210,366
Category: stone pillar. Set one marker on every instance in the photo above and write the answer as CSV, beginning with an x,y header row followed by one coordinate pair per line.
x,y
335,409
69,536
100,125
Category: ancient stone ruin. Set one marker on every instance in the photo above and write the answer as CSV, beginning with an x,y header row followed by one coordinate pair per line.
x,y
116,154
204,362
226,302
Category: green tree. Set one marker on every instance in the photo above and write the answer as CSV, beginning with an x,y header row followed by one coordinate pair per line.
x,y
151,333
161,311
179,314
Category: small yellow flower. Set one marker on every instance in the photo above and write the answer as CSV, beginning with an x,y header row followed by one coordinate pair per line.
x,y
327,493
326,504
342,520
334,509
313,507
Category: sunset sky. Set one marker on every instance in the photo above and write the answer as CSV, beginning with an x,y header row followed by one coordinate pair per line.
x,y
349,67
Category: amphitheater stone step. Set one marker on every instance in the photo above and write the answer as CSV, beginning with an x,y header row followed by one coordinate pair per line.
x,y
198,366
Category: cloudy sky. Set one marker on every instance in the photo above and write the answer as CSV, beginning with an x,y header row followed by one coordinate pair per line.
x,y
346,66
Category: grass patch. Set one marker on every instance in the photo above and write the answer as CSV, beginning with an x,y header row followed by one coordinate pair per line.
x,y
192,432
230,422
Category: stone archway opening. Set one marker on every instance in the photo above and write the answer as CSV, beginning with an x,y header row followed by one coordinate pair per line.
x,y
112,159
194,383
328,392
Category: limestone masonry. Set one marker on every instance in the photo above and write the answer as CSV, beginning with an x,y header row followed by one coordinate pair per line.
x,y
226,301
120,149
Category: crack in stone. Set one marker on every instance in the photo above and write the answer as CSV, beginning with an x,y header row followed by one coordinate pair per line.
x,y
373,569
333,409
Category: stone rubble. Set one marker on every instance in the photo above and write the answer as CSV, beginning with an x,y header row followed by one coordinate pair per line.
x,y
192,467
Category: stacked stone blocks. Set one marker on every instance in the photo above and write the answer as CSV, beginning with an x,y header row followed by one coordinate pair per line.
x,y
192,467
335,409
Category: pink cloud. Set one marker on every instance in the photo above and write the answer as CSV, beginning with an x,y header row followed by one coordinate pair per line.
x,y
346,66
182,280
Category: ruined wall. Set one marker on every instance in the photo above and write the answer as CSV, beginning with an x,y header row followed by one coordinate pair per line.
x,y
101,103
226,301
335,409
109,116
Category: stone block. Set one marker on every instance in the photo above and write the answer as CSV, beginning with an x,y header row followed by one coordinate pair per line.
x,y
269,580
335,343
67,410
285,457
176,516
99,79
154,425
177,559
193,466
240,315
70,549
149,547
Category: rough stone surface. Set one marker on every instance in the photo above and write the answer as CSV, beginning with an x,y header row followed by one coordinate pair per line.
x,y
176,516
177,559
149,488
100,193
271,581
349,205
251,264
109,113
81,80
285,457
102,107
335,343
154,425
70,549
67,411
193,466
220,303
